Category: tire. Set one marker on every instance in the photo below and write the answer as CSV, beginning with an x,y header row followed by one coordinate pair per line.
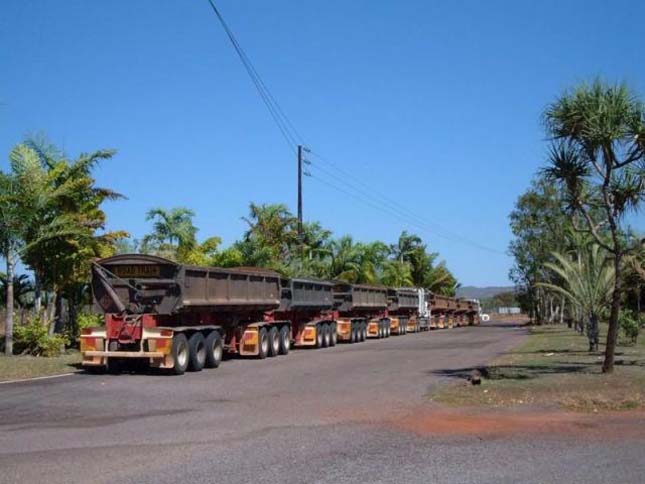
x,y
263,343
320,336
363,331
180,353
326,336
285,340
354,335
214,349
334,335
197,356
274,342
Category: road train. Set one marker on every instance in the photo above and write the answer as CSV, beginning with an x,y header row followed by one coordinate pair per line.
x,y
186,318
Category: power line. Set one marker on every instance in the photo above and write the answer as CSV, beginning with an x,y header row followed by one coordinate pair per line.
x,y
272,105
374,203
378,197
291,135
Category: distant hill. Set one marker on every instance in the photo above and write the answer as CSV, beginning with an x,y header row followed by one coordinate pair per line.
x,y
472,292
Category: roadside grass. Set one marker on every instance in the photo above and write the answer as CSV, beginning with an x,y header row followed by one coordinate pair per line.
x,y
553,368
20,367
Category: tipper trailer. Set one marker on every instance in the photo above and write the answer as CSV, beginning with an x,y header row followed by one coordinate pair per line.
x,y
183,317
180,316
403,310
309,305
361,311
442,308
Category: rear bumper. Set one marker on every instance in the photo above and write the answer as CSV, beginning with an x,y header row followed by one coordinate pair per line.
x,y
157,341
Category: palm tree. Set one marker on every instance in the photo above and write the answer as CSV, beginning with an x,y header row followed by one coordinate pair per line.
x,y
344,263
273,226
411,249
587,282
12,228
25,195
440,280
173,232
397,274
598,134
372,258
61,263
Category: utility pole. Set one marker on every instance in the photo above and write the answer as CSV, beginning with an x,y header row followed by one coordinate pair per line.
x,y
301,161
300,195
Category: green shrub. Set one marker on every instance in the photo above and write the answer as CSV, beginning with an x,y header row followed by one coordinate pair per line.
x,y
629,325
84,320
33,338
89,320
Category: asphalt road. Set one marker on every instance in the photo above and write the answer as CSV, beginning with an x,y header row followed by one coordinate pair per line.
x,y
313,416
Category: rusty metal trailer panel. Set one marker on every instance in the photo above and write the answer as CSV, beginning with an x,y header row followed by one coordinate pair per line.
x,y
359,297
441,303
403,299
306,295
139,283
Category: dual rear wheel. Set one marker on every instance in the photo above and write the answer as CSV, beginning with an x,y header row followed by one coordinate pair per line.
x,y
195,352
326,335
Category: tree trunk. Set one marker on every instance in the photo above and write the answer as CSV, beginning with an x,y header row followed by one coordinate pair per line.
x,y
50,312
592,332
562,303
612,332
8,327
38,295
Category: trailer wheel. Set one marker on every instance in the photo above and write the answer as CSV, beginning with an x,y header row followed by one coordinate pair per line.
x,y
326,335
285,340
362,332
334,335
388,330
263,343
274,342
197,352
320,337
180,353
214,349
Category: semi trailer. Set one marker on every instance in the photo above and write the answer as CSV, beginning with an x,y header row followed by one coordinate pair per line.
x,y
403,309
182,317
361,311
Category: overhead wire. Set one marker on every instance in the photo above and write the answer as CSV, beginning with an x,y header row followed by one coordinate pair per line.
x,y
367,194
269,101
383,199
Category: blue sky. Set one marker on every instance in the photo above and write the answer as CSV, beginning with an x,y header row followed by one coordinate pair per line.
x,y
434,104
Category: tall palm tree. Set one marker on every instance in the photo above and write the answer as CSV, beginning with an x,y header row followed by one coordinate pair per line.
x,y
598,133
440,280
344,264
172,231
372,257
411,249
273,226
26,193
397,273
587,282
61,263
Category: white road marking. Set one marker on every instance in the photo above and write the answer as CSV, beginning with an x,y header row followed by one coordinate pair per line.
x,y
39,378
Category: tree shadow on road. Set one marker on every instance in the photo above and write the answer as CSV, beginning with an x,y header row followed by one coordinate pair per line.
x,y
518,372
